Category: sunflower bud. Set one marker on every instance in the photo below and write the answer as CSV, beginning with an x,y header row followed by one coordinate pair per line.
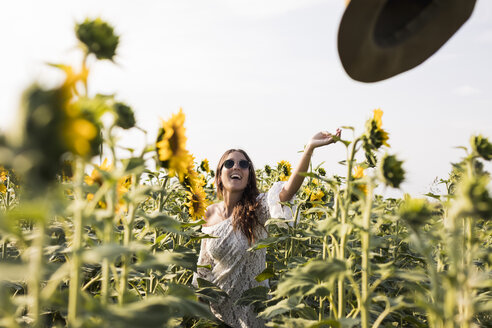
x,y
98,37
415,212
268,169
391,172
126,118
321,171
474,198
482,147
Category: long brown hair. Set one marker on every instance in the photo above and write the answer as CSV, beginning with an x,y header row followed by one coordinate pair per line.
x,y
244,214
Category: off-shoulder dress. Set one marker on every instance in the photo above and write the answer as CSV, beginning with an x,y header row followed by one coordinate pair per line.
x,y
234,268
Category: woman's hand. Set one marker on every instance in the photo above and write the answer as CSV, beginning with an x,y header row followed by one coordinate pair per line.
x,y
295,181
323,138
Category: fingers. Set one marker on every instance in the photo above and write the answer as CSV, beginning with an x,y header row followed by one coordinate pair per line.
x,y
329,136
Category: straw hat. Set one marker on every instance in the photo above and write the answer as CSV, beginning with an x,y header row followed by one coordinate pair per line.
x,y
378,39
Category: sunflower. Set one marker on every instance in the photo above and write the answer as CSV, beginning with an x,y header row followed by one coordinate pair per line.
x,y
375,135
3,177
481,147
73,77
391,171
3,174
285,170
359,174
197,202
66,171
95,176
98,37
317,196
192,177
205,166
171,146
78,134
122,188
101,204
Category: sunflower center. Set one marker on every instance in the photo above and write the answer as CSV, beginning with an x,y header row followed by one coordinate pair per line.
x,y
196,202
174,142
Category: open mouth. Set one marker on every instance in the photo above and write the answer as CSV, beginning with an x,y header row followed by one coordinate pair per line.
x,y
235,177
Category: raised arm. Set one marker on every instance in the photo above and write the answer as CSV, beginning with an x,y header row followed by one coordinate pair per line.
x,y
295,181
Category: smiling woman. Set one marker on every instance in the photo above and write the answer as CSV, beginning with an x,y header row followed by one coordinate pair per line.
x,y
237,222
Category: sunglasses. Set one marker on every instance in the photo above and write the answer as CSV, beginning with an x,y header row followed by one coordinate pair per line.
x,y
229,164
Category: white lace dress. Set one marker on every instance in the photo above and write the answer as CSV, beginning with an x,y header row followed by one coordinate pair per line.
x,y
234,268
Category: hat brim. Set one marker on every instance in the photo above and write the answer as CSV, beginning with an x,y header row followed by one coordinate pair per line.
x,y
372,50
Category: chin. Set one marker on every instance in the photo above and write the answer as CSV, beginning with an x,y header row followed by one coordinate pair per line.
x,y
235,188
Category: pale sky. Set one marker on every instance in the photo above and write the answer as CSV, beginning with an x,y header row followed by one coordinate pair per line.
x,y
259,75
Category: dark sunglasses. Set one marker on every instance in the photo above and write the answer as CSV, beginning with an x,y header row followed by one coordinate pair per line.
x,y
229,164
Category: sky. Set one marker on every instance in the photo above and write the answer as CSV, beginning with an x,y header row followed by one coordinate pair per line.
x,y
261,75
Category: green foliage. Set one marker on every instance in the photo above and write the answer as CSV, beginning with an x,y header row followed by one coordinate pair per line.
x,y
415,212
114,245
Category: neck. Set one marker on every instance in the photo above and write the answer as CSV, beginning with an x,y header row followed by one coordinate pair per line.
x,y
230,200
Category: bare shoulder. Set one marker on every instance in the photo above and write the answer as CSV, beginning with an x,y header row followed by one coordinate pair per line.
x,y
209,213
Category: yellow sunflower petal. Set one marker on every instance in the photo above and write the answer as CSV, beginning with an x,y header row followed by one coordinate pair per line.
x,y
198,202
358,172
171,146
378,113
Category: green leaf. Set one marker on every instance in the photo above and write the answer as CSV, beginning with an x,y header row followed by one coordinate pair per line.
x,y
180,291
154,312
193,224
281,223
181,256
304,280
209,291
254,297
281,307
267,242
111,252
164,222
133,164
265,274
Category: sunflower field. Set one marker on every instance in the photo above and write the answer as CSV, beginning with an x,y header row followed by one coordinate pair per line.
x,y
116,244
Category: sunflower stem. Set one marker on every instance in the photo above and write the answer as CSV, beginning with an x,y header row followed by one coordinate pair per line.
x,y
108,236
365,240
344,215
127,237
36,273
76,263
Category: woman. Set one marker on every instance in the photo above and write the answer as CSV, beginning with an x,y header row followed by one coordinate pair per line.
x,y
237,222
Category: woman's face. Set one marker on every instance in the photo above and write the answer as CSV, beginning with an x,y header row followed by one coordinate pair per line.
x,y
235,172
